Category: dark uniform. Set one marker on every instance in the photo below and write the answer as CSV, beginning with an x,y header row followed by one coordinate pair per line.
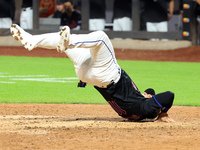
x,y
27,3
128,102
122,8
57,14
155,10
7,9
97,9
72,21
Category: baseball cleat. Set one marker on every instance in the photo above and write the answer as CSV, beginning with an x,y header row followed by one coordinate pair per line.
x,y
20,35
64,39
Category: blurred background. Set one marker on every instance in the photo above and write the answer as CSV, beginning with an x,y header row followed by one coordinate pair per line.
x,y
152,20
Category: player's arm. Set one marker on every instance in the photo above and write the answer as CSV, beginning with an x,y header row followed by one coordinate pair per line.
x,y
171,9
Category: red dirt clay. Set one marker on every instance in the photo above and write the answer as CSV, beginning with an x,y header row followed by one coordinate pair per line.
x,y
190,54
78,126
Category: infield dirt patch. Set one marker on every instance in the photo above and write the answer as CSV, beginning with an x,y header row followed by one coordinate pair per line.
x,y
76,126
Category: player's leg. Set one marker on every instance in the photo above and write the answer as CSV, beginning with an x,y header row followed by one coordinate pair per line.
x,y
26,18
126,24
49,40
152,27
102,66
98,42
5,22
162,26
116,25
91,40
101,50
96,24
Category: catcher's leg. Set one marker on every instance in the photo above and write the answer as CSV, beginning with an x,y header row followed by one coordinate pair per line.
x,y
49,40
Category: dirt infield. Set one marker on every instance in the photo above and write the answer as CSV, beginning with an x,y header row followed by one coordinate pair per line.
x,y
77,126
63,126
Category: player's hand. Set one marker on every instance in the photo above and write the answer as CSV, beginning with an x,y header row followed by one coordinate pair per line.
x,y
147,95
164,117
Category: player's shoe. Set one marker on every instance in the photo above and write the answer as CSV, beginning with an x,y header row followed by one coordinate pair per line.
x,y
64,39
20,35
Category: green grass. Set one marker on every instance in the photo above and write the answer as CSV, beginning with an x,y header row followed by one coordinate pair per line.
x,y
53,80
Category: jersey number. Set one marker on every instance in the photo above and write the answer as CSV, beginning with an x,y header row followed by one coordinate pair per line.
x,y
117,108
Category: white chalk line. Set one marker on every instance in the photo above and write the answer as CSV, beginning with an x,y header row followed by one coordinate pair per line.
x,y
21,76
45,78
7,82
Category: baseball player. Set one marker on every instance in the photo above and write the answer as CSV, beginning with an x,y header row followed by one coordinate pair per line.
x,y
95,63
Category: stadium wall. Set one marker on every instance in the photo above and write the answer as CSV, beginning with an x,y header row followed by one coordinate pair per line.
x,y
121,43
